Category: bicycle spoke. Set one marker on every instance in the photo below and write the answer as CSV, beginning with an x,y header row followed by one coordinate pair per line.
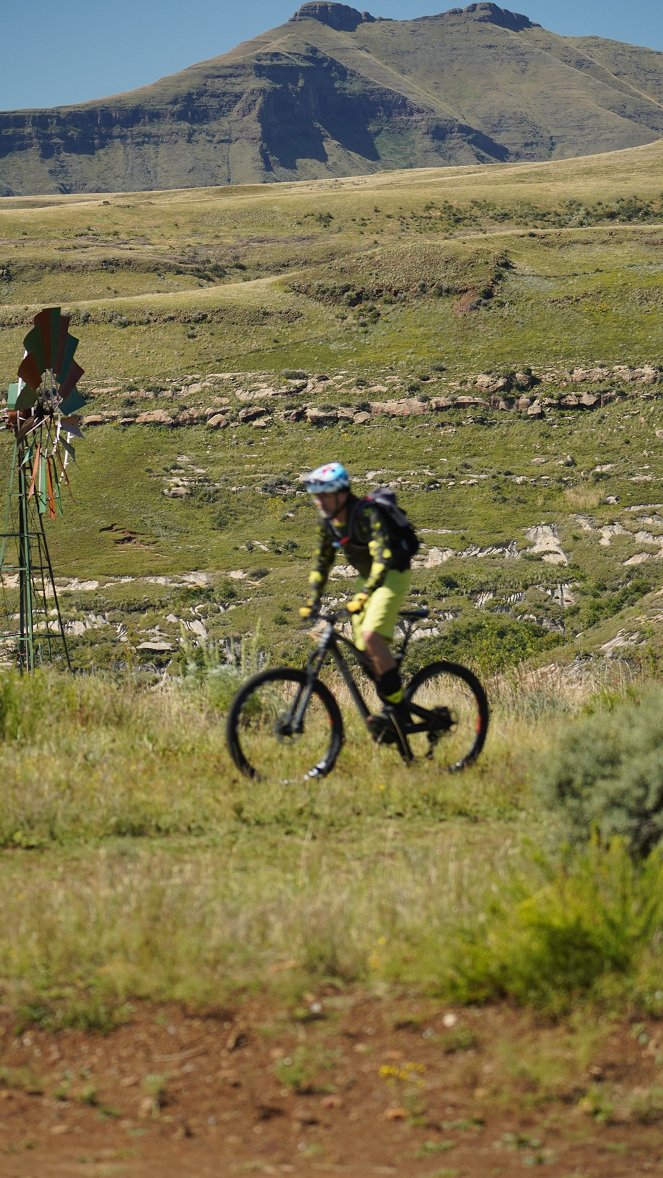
x,y
283,726
448,715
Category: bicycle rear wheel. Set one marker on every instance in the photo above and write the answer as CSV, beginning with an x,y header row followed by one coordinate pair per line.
x,y
283,725
448,715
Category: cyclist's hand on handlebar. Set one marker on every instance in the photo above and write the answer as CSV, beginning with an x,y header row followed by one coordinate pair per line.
x,y
356,605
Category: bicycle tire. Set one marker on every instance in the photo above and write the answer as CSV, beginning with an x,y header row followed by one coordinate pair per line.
x,y
456,696
256,727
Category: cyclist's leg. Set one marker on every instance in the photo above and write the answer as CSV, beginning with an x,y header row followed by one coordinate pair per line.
x,y
377,624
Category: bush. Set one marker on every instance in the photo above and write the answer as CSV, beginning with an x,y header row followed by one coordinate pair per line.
x,y
606,775
489,643
551,935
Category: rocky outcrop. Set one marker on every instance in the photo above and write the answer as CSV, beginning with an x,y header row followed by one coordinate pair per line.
x,y
338,16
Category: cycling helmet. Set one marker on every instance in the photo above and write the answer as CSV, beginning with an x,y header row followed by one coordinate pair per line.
x,y
331,477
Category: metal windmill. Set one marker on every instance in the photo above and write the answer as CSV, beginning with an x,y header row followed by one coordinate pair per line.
x,y
41,412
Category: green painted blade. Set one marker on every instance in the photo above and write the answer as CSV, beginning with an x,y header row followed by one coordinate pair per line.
x,y
26,398
42,497
12,394
27,457
70,345
74,401
34,347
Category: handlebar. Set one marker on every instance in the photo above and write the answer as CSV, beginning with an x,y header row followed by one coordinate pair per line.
x,y
410,615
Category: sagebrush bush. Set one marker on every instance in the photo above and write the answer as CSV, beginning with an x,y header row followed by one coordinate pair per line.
x,y
606,775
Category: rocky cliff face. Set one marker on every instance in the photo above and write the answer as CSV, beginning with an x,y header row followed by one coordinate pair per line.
x,y
336,92
338,16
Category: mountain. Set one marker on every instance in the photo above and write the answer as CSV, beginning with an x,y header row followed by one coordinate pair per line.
x,y
337,92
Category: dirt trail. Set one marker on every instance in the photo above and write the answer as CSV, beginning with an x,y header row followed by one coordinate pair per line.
x,y
347,1085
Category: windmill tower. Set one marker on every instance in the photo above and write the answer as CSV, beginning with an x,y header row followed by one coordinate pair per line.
x,y
41,413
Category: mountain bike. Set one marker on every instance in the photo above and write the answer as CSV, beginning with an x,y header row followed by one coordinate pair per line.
x,y
287,721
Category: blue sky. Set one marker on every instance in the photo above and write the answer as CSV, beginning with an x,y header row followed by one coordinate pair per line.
x,y
65,51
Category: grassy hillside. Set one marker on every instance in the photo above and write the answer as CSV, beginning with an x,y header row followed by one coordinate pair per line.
x,y
388,294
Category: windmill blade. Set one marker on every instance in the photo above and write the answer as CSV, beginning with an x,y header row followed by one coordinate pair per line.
x,y
74,401
47,323
74,374
26,398
29,371
71,426
61,368
12,394
63,336
42,498
34,347
49,490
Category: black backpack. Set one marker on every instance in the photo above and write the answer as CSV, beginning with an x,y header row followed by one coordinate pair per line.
x,y
401,533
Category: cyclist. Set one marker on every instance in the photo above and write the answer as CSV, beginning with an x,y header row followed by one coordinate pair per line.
x,y
356,527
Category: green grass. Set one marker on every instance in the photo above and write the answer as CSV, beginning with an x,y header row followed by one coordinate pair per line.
x,y
583,284
138,864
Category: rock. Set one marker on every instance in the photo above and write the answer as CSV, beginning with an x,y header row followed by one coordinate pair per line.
x,y
338,16
321,416
159,646
439,403
261,423
96,419
570,401
465,401
648,374
128,420
189,417
252,413
535,409
523,380
405,408
293,414
589,400
217,421
155,417
522,404
361,418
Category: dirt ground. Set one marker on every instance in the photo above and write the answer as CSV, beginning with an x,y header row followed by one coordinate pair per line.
x,y
344,1084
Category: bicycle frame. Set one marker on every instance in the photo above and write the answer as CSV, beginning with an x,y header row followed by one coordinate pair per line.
x,y
330,645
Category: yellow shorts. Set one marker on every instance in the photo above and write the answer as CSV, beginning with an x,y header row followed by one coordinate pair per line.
x,y
381,610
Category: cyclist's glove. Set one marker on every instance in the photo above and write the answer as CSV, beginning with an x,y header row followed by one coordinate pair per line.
x,y
356,605
308,612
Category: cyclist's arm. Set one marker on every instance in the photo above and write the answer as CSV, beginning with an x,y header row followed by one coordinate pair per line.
x,y
373,528
322,563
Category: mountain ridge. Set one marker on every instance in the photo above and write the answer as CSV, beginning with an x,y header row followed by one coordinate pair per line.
x,y
336,92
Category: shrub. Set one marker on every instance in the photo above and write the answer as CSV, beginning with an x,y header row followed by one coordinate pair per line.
x,y
606,775
551,935
489,643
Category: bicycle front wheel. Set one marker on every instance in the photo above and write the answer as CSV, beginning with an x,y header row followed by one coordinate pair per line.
x,y
284,725
448,715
